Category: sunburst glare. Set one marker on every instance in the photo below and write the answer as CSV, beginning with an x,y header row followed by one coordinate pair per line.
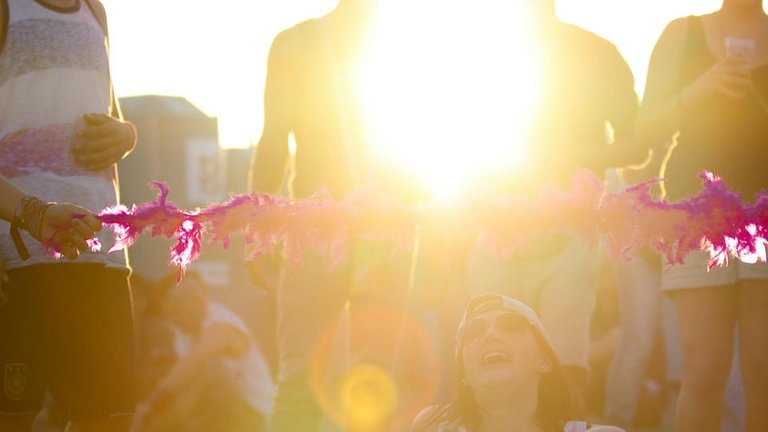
x,y
450,102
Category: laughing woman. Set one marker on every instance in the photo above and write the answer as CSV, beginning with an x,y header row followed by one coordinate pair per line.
x,y
509,377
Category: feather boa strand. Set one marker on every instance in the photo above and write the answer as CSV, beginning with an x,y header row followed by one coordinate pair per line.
x,y
716,220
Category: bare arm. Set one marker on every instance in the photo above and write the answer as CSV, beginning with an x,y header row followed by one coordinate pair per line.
x,y
270,158
659,115
104,139
621,112
64,227
11,197
666,100
271,154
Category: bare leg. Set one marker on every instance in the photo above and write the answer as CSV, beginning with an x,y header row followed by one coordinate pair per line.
x,y
706,318
753,334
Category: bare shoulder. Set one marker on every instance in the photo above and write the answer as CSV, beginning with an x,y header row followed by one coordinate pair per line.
x,y
98,8
676,30
292,38
99,11
421,423
671,44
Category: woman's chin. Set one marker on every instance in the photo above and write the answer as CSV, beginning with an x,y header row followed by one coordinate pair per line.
x,y
503,376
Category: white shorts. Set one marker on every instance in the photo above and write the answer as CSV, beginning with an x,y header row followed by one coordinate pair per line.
x,y
693,273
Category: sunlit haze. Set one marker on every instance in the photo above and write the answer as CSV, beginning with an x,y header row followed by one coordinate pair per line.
x,y
446,103
214,54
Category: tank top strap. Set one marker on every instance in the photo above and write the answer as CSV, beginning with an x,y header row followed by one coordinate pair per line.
x,y
697,56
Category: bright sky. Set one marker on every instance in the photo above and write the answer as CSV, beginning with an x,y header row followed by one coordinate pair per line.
x,y
211,52
214,53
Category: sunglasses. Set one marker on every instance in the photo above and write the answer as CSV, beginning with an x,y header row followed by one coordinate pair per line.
x,y
509,324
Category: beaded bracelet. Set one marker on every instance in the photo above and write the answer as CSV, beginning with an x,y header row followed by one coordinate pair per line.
x,y
29,216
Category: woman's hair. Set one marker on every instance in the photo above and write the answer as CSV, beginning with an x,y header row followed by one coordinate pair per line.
x,y
557,401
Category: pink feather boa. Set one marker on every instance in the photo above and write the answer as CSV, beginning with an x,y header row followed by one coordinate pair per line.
x,y
716,219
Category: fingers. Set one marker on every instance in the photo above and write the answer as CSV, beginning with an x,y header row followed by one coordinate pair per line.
x,y
102,141
729,78
70,244
733,68
84,145
92,223
79,233
62,244
98,130
67,229
735,61
733,85
729,89
96,118
69,251
98,160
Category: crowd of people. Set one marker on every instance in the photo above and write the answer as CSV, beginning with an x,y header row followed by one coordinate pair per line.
x,y
554,336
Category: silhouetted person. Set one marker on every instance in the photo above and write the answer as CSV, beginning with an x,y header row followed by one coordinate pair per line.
x,y
582,118
309,93
713,102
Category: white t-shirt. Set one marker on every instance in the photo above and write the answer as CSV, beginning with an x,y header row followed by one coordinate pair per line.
x,y
249,372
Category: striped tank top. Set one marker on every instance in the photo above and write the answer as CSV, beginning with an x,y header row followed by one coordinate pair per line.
x,y
54,68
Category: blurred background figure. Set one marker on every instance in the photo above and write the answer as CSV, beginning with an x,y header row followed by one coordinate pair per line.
x,y
221,380
706,88
310,96
155,354
581,118
636,384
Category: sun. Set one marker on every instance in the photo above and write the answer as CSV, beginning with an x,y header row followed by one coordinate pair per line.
x,y
449,99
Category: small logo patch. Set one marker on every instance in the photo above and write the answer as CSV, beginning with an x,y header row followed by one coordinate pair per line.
x,y
15,380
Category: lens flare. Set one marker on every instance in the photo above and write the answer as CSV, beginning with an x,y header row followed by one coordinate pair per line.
x,y
448,104
374,369
368,396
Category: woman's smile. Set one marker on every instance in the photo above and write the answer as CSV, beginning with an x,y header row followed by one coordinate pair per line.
x,y
495,358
